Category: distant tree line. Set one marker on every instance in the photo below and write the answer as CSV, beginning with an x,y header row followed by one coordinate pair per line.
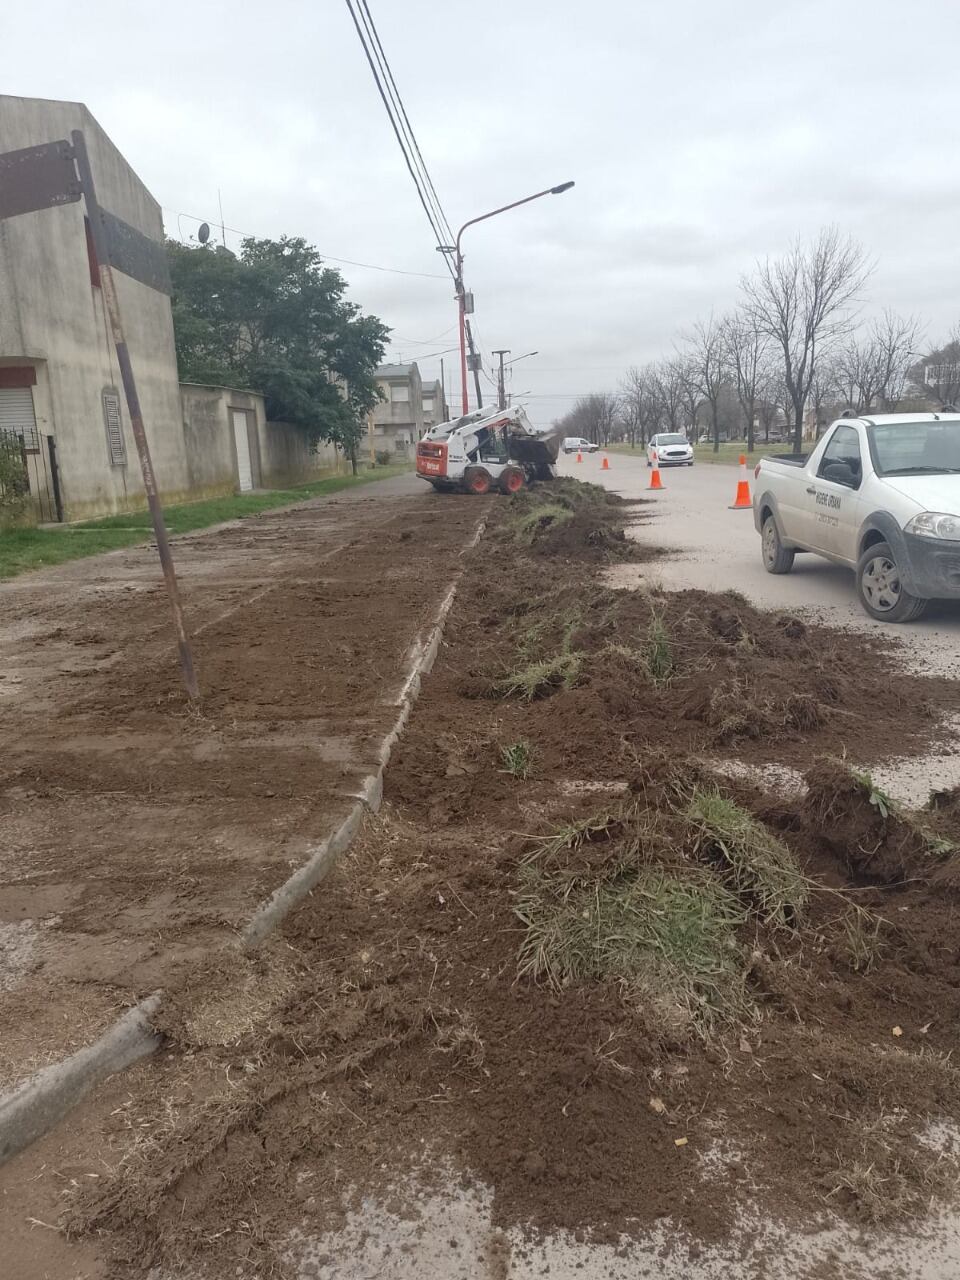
x,y
274,319
793,347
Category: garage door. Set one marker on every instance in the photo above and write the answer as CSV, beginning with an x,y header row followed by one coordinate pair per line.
x,y
242,441
16,414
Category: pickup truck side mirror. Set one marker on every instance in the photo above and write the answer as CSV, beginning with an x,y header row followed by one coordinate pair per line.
x,y
841,473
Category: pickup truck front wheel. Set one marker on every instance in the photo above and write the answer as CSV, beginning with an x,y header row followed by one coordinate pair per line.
x,y
776,557
882,593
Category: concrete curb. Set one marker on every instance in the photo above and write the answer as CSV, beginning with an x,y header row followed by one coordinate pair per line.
x,y
41,1102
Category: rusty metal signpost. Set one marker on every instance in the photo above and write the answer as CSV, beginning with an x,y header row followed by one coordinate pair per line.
x,y
58,173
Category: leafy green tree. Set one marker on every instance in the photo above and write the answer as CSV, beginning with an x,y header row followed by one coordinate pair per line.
x,y
276,320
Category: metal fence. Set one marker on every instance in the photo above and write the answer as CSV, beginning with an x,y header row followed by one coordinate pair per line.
x,y
30,476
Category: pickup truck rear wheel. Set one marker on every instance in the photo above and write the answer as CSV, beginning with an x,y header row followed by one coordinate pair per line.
x,y
881,592
776,557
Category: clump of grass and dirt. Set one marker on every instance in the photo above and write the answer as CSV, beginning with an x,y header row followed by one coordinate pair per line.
x,y
571,519
569,956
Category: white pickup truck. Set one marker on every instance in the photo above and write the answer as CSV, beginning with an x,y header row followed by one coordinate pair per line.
x,y
880,494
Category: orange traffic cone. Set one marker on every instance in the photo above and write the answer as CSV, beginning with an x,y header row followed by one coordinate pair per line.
x,y
655,481
743,501
605,464
579,456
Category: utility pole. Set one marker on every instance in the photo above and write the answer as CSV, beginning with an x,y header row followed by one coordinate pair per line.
x,y
475,365
501,386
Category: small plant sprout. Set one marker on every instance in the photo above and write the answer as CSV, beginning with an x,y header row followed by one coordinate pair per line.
x,y
517,759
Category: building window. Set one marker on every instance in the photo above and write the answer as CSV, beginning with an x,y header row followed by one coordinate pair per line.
x,y
116,445
17,419
428,404
399,394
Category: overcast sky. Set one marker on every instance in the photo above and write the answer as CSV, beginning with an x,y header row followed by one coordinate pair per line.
x,y
701,136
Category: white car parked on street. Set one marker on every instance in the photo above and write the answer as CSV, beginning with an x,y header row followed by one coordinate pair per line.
x,y
577,444
673,450
880,494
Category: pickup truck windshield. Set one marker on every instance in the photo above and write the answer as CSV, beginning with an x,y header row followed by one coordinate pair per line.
x,y
915,448
673,438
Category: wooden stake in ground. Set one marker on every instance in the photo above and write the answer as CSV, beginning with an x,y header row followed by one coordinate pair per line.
x,y
112,304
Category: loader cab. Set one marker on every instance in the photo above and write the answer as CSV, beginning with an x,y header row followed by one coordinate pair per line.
x,y
493,445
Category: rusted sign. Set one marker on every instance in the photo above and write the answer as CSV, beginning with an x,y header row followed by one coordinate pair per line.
x,y
135,254
38,178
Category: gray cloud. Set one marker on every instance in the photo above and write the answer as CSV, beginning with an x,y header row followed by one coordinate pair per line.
x,y
701,136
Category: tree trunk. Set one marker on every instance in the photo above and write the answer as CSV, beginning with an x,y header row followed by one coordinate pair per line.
x,y
797,428
353,457
750,431
716,428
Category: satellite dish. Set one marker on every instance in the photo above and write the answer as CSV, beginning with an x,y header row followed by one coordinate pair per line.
x,y
203,234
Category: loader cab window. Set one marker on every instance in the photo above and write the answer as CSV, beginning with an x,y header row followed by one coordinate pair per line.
x,y
843,449
494,447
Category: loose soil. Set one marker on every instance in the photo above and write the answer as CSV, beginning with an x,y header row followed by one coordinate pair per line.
x,y
137,832
390,1026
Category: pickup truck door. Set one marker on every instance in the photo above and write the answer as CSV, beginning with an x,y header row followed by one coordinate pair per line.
x,y
834,503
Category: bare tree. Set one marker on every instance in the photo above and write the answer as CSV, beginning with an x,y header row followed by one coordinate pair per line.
x,y
747,346
825,392
897,338
706,369
593,417
668,392
640,405
937,374
803,301
873,368
692,396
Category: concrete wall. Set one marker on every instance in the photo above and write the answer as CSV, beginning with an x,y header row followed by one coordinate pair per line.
x,y
280,454
288,459
53,317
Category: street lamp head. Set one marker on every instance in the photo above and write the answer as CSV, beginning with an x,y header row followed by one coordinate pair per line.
x,y
564,186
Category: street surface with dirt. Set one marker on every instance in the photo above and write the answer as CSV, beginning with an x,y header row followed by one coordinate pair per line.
x,y
632,975
138,832
714,548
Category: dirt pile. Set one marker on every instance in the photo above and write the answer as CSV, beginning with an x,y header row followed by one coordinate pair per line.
x,y
569,519
570,959
869,834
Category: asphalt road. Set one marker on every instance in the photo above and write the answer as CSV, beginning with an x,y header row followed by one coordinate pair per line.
x,y
717,549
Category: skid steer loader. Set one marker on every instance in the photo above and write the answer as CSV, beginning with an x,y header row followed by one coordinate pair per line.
x,y
488,450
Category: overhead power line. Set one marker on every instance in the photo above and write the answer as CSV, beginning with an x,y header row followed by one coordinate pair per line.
x,y
327,257
412,137
400,122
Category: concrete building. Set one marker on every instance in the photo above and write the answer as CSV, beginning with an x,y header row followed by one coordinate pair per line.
x,y
58,372
398,418
432,402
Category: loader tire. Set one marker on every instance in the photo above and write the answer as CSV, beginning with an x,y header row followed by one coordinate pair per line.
x,y
477,480
512,481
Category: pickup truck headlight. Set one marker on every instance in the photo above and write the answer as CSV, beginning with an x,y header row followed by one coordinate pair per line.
x,y
935,524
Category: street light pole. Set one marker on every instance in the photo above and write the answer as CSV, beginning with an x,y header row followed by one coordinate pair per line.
x,y
457,252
